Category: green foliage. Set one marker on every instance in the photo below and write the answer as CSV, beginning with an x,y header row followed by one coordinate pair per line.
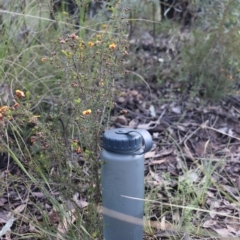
x,y
210,62
67,81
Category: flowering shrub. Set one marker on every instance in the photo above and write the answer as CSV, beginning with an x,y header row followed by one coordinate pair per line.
x,y
54,127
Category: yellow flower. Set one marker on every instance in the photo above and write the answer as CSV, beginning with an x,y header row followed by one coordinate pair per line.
x,y
87,112
44,59
20,94
78,150
3,109
104,26
99,36
91,44
112,46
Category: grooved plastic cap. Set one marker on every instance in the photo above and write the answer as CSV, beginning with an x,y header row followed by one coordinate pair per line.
x,y
122,140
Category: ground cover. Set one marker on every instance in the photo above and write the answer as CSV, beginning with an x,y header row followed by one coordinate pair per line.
x,y
61,88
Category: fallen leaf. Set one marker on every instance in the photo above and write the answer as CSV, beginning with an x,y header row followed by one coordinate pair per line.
x,y
38,194
176,217
7,226
224,232
19,209
80,203
209,223
152,111
176,109
231,229
158,161
149,155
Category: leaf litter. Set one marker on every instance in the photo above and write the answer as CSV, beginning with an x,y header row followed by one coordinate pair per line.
x,y
198,148
194,161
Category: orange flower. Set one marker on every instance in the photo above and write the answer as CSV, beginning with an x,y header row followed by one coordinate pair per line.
x,y
112,46
87,112
44,59
3,109
91,44
78,150
20,94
